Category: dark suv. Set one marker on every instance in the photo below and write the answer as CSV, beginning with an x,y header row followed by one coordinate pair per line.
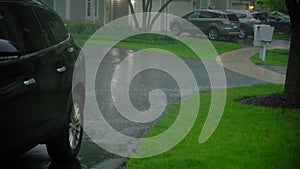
x,y
281,22
37,59
213,23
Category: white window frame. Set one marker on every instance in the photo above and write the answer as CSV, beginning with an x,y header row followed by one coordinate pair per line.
x,y
93,5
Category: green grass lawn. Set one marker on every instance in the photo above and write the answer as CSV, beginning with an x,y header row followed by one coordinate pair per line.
x,y
282,37
274,57
247,137
176,48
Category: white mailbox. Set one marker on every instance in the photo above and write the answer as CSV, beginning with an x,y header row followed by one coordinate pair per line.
x,y
266,33
262,35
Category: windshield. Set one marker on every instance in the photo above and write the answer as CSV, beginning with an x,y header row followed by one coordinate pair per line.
x,y
283,16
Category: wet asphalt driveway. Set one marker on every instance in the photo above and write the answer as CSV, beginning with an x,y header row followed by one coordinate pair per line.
x,y
91,155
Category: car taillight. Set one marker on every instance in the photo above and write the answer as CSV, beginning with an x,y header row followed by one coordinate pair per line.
x,y
225,21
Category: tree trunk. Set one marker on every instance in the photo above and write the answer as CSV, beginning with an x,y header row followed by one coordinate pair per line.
x,y
292,83
147,23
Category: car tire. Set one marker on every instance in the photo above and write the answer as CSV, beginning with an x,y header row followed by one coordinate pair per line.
x,y
286,30
176,29
213,33
65,146
243,33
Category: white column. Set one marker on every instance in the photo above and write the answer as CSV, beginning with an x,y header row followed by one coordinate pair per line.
x,y
54,5
68,10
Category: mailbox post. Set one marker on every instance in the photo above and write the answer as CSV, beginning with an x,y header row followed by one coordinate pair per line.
x,y
262,35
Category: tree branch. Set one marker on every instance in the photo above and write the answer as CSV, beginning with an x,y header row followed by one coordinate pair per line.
x,y
145,13
158,13
149,17
137,25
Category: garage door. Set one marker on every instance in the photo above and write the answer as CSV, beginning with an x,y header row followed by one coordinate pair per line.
x,y
120,8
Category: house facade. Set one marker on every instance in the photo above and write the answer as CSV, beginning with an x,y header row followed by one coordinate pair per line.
x,y
79,9
105,11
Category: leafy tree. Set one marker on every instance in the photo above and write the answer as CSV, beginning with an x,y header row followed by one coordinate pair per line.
x,y
274,5
148,20
292,83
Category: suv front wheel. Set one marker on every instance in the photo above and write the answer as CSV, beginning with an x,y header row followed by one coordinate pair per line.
x,y
213,33
65,146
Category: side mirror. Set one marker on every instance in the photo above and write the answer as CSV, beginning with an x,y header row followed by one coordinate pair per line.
x,y
8,49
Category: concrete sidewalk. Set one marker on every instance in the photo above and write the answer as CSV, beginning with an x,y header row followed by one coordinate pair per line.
x,y
239,61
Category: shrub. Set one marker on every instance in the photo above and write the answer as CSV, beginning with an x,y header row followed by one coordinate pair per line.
x,y
151,38
82,27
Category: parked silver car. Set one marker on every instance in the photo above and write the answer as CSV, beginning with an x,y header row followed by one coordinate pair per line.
x,y
247,21
214,23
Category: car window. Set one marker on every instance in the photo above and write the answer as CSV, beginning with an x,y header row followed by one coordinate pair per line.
x,y
232,17
222,16
34,36
54,24
273,17
204,14
241,15
8,29
283,16
194,15
216,15
259,16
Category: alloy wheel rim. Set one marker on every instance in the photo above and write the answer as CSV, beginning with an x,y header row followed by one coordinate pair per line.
x,y
74,127
176,29
242,33
213,34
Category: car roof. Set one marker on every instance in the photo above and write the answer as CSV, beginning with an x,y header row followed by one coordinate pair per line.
x,y
244,11
36,2
212,10
29,2
239,10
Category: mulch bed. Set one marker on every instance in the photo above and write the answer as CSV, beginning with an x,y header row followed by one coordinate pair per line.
x,y
274,100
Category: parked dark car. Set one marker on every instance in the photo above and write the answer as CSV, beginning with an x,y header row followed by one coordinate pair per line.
x,y
214,23
37,59
280,22
248,19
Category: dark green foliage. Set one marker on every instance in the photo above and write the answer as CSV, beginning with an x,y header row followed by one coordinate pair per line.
x,y
82,27
151,38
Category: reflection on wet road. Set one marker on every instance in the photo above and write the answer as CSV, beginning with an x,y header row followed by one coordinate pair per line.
x,y
91,155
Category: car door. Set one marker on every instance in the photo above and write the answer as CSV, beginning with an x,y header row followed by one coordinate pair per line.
x,y
58,79
194,18
273,21
17,86
48,94
277,22
66,50
205,21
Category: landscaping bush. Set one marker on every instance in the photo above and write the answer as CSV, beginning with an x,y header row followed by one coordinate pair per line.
x,y
82,27
151,38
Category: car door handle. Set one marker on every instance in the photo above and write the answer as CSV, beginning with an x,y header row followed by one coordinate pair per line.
x,y
61,69
29,82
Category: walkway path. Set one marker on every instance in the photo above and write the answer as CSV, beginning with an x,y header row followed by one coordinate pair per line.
x,y
239,61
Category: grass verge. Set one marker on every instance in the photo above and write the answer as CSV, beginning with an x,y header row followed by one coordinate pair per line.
x,y
247,137
274,57
176,48
282,37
